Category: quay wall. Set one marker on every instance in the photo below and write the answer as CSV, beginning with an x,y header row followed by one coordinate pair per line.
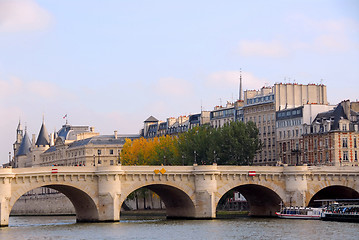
x,y
59,204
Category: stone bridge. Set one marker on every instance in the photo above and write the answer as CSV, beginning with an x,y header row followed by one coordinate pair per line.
x,y
98,193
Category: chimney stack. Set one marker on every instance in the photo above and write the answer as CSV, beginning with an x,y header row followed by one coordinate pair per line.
x,y
115,134
33,139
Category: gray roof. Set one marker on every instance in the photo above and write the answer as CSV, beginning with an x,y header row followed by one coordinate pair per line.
x,y
335,115
151,119
43,138
24,146
51,149
68,132
102,140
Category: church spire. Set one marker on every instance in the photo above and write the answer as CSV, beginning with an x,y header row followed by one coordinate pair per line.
x,y
240,85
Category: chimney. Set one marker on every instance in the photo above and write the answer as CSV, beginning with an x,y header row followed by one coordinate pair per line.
x,y
33,139
52,139
115,134
346,107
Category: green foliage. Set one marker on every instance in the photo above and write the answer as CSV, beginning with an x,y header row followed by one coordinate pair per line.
x,y
233,144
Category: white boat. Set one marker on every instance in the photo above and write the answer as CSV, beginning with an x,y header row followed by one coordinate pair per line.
x,y
300,213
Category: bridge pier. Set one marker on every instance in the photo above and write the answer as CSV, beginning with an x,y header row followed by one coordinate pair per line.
x,y
4,212
296,185
109,207
5,196
206,187
109,192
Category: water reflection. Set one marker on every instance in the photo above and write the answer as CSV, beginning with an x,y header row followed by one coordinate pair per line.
x,y
160,228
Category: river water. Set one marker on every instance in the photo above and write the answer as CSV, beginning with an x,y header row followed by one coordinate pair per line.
x,y
159,228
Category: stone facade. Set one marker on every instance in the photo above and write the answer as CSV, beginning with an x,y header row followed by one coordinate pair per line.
x,y
70,146
260,108
332,138
289,130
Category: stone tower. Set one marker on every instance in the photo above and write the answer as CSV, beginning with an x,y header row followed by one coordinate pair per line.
x,y
19,137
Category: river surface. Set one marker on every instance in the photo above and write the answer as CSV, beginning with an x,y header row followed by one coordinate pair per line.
x,y
65,227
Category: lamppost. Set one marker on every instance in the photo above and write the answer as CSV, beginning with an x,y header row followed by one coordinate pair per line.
x,y
214,157
195,157
182,160
164,160
10,159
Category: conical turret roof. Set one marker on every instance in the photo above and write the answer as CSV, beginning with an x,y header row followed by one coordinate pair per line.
x,y
43,138
24,146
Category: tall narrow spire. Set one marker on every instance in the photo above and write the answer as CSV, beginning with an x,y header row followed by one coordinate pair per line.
x,y
240,85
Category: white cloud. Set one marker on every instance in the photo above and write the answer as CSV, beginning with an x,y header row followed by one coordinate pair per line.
x,y
174,87
23,15
326,25
328,36
262,49
15,87
230,79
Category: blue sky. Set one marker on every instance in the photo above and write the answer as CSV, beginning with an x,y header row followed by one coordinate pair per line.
x,y
111,64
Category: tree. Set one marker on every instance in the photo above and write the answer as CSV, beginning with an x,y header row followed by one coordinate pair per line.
x,y
234,144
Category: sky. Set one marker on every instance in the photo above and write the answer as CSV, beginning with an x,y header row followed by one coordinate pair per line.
x,y
112,64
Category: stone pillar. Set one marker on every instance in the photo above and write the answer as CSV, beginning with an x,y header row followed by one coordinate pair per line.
x,y
109,192
296,185
205,189
5,196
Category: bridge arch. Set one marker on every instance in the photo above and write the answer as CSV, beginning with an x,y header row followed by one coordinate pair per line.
x,y
262,200
179,201
84,204
333,192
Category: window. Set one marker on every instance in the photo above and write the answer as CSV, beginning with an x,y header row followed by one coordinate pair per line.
x,y
315,144
111,162
326,143
327,157
111,151
345,142
98,152
355,142
355,156
345,156
344,127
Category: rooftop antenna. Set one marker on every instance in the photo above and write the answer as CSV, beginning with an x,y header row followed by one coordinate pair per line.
x,y
201,106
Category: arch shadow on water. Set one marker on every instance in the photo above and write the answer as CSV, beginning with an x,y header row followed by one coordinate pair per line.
x,y
333,192
262,201
178,205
